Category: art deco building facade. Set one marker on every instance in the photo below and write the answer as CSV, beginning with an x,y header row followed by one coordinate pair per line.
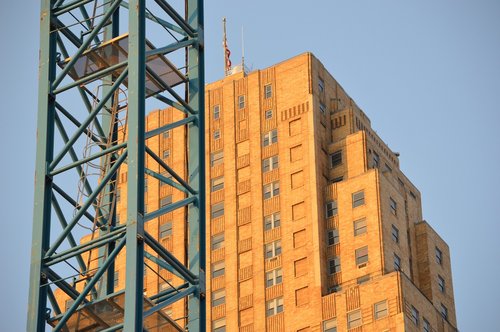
x,y
311,225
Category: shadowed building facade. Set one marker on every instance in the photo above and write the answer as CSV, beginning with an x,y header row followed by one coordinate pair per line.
x,y
311,225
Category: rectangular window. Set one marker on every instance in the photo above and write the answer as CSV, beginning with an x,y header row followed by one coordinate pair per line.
x,y
397,263
216,134
330,325
216,158
218,297
216,112
241,102
219,325
116,278
274,306
218,269
395,234
268,114
439,256
166,134
272,221
441,284
358,198
380,309
331,209
217,241
360,227
165,201
333,237
268,91
394,206
388,168
270,163
363,279
118,195
270,137
414,315
165,229
274,277
376,160
321,85
322,108
354,319
426,325
145,184
334,265
271,189
361,255
444,311
336,158
217,210
273,249
217,183
166,154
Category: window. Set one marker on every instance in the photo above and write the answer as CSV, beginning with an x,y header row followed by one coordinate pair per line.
x,y
272,221
334,265
268,114
268,91
274,277
218,269
217,241
219,325
217,184
118,195
360,227
330,325
414,315
68,303
336,158
145,184
218,297
241,102
331,209
216,134
270,137
217,210
395,234
354,319
444,311
380,309
426,325
361,255
165,229
165,201
166,134
337,179
270,163
333,236
376,160
273,249
321,85
322,108
165,285
363,279
216,158
274,306
441,284
388,168
397,263
216,112
394,206
116,278
271,189
166,154
439,256
166,175
358,198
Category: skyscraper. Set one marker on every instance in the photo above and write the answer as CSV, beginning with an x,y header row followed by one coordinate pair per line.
x,y
311,225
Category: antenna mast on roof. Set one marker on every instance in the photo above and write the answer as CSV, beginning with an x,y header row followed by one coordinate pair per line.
x,y
242,50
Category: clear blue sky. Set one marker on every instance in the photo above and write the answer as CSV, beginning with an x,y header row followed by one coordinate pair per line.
x,y
426,72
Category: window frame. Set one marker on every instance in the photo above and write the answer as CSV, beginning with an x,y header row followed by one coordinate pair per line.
x,y
216,211
272,221
165,201
271,190
271,163
393,205
274,306
218,269
336,158
360,226
356,321
397,262
218,297
270,138
439,256
216,186
394,233
358,198
335,267
329,325
332,237
216,134
380,313
241,102
220,158
441,284
268,91
361,257
165,229
217,241
274,277
216,112
272,249
331,209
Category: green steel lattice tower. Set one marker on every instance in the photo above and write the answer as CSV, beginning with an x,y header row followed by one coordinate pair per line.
x,y
102,64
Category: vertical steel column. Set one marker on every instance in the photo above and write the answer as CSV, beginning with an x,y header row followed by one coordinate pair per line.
x,y
134,269
43,182
196,166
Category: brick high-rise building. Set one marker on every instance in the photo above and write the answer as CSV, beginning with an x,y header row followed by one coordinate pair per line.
x,y
311,225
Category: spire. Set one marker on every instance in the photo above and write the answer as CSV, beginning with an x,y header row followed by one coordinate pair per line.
x,y
227,52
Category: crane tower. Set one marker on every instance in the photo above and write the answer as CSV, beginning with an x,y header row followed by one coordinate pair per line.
x,y
103,63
